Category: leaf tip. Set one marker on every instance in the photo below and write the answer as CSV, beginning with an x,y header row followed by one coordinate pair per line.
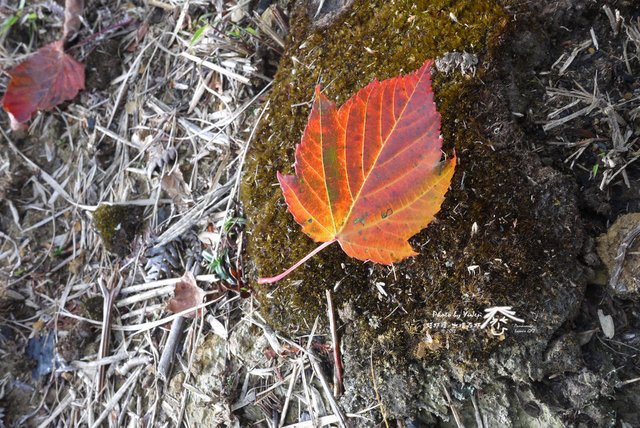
x,y
15,124
284,180
428,64
317,89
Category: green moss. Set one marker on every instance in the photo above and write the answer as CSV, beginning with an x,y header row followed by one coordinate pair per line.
x,y
382,39
375,40
118,225
92,307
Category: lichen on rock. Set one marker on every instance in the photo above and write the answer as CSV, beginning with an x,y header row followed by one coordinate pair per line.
x,y
118,225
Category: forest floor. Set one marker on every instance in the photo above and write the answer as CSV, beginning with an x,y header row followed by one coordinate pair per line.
x,y
107,202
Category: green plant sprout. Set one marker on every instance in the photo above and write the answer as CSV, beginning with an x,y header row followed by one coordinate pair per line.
x,y
20,272
215,264
198,34
13,19
237,32
233,221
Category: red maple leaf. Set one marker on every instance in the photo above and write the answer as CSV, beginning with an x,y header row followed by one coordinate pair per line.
x,y
369,175
44,80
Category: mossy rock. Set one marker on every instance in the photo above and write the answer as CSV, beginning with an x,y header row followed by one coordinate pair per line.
x,y
508,233
118,225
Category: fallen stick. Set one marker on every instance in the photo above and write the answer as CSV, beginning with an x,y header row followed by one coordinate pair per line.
x,y
337,410
338,367
109,294
169,351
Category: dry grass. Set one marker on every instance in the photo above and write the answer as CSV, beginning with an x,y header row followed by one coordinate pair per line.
x,y
169,134
611,117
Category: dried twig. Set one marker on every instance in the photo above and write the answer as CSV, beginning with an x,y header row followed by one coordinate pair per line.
x,y
169,350
615,20
117,396
292,382
338,368
375,388
337,410
582,46
66,402
208,64
454,411
627,382
109,293
476,411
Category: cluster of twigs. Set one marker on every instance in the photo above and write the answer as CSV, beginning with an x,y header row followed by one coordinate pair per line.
x,y
620,146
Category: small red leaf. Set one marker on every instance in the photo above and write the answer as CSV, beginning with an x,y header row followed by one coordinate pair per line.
x,y
186,295
42,81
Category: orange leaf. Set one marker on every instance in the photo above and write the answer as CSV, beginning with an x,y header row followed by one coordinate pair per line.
x,y
42,81
369,175
187,295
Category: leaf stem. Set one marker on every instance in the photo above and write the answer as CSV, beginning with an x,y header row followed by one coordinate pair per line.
x,y
292,268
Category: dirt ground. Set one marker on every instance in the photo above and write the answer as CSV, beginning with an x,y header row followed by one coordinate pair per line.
x,y
551,141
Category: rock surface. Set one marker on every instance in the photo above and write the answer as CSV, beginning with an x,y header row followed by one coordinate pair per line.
x,y
509,232
609,245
